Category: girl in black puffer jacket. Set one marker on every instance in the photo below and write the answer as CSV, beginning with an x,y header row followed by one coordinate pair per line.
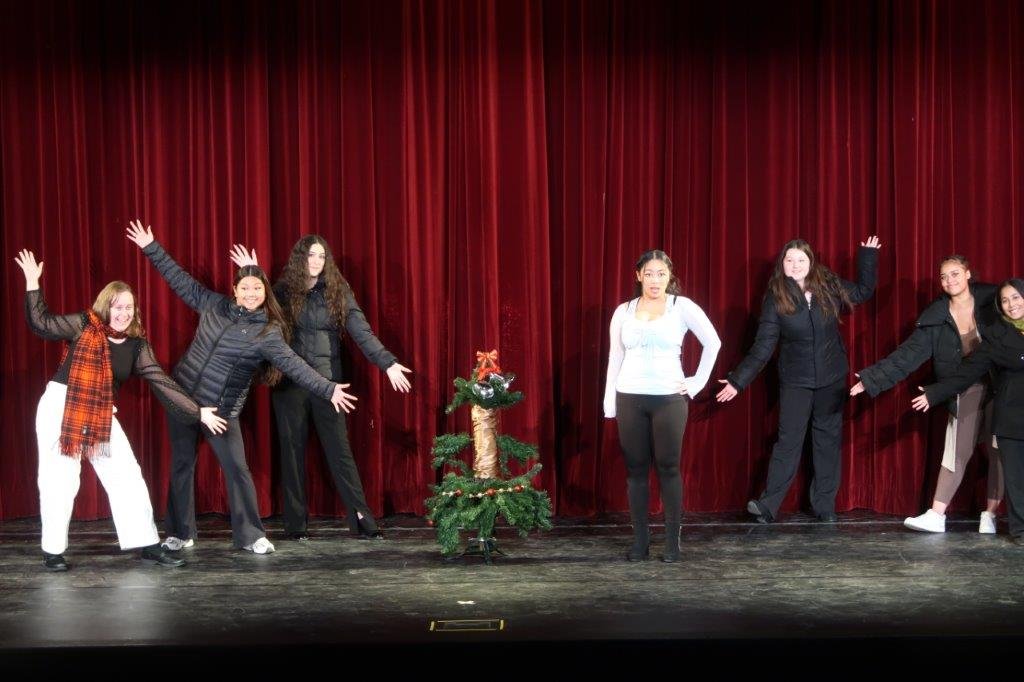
x,y
801,315
236,335
947,332
320,307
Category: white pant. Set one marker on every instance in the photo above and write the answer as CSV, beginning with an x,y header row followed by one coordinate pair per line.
x,y
60,476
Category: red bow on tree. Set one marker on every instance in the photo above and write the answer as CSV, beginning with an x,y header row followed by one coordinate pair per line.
x,y
486,364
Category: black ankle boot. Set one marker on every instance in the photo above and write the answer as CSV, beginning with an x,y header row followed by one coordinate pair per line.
x,y
671,554
641,549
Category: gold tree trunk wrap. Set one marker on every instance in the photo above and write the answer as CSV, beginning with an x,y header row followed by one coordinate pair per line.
x,y
485,429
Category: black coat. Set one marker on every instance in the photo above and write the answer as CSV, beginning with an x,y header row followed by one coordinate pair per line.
x,y
936,337
1002,350
811,351
317,339
229,346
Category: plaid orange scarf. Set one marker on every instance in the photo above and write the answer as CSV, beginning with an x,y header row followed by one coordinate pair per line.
x,y
89,406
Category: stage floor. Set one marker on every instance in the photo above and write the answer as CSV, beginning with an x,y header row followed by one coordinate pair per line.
x,y
791,586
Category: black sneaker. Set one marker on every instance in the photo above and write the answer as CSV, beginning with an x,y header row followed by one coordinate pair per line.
x,y
55,562
299,536
371,535
157,555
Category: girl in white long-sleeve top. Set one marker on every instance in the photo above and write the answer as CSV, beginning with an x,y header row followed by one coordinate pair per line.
x,y
648,393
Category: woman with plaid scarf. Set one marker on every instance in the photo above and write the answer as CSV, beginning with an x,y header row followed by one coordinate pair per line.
x,y
106,345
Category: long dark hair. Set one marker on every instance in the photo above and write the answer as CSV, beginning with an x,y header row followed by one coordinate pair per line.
x,y
269,374
823,284
645,258
296,273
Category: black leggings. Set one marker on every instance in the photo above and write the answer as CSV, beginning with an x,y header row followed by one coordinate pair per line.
x,y
651,428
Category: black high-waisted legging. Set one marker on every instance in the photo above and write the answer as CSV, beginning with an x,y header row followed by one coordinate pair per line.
x,y
651,428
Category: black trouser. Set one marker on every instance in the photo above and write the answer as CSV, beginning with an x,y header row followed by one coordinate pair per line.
x,y
246,526
651,428
822,408
1012,452
293,406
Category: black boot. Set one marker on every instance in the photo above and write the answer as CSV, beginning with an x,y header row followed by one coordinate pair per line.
x,y
671,554
641,549
638,494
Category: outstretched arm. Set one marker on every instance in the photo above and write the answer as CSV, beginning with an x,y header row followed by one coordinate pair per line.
x,y
194,294
760,353
171,395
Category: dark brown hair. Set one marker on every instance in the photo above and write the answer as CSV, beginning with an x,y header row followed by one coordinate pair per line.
x,y
296,273
656,254
823,284
955,258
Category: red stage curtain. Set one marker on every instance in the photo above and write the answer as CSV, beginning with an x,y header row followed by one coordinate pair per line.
x,y
486,173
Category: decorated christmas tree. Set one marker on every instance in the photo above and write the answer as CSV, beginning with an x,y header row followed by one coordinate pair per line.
x,y
472,498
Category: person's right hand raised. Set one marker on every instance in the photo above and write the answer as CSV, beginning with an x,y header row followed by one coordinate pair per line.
x,y
143,236
26,260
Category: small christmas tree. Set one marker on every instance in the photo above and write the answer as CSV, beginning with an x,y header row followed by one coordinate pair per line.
x,y
473,498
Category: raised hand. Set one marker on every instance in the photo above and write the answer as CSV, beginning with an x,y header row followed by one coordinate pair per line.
x,y
143,236
920,403
342,400
396,373
212,421
26,260
727,393
241,257
872,242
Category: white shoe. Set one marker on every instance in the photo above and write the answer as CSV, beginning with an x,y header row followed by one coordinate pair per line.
x,y
176,544
930,522
261,546
987,524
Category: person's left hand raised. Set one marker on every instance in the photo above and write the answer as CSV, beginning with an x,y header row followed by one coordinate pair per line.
x,y
242,257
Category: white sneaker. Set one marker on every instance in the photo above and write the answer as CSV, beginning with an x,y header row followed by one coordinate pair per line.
x,y
930,522
261,546
987,524
176,544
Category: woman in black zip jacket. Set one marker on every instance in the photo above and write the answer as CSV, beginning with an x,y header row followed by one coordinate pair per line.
x,y
800,313
236,335
947,332
319,306
1001,350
